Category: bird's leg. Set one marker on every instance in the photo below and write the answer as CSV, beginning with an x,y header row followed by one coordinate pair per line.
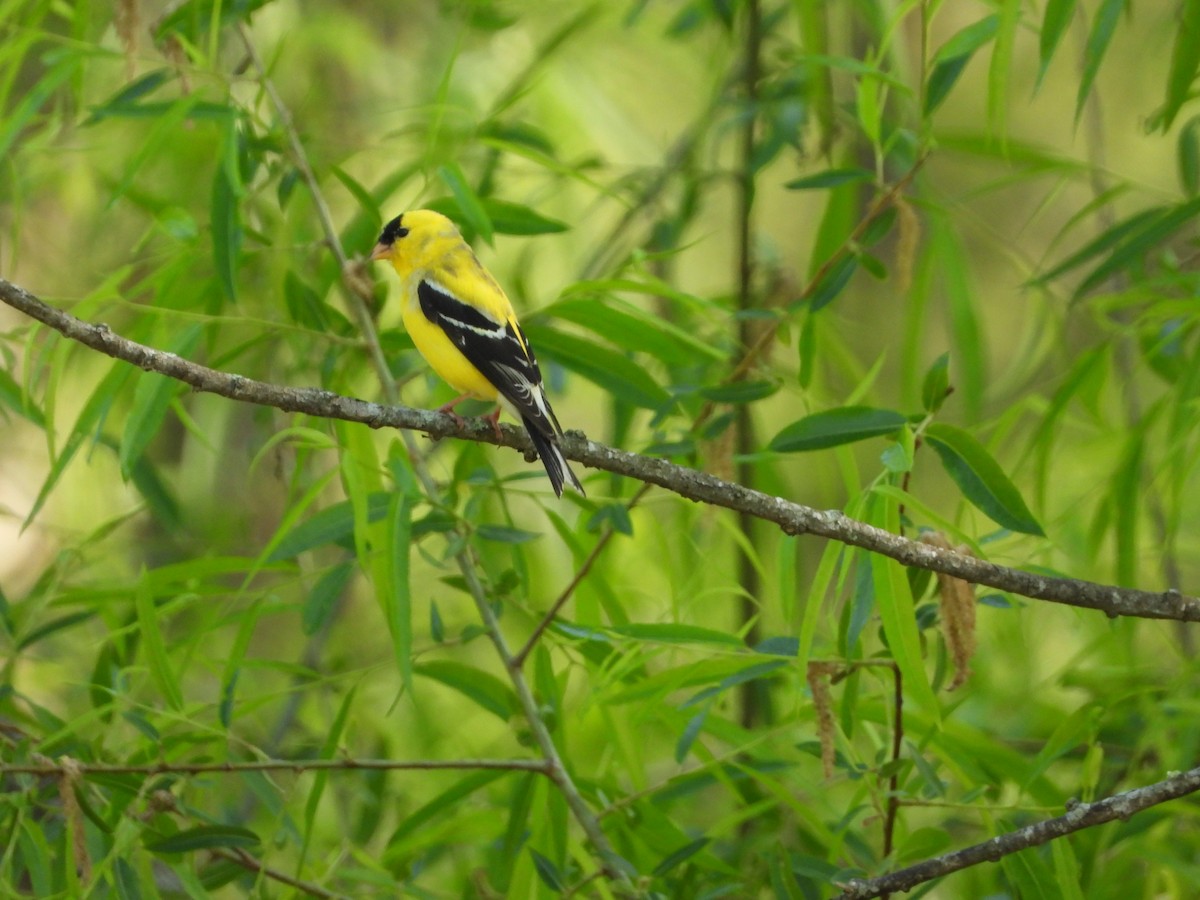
x,y
448,409
494,418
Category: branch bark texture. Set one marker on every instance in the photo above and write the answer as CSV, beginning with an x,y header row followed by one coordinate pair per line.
x,y
792,518
1078,817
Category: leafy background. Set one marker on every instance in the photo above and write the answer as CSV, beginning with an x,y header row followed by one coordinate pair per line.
x,y
184,579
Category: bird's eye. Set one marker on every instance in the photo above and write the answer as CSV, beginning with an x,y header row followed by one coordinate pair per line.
x,y
401,232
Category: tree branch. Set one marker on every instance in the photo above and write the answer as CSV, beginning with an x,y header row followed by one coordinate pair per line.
x,y
1078,817
792,518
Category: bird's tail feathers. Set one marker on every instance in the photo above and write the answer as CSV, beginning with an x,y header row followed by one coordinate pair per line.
x,y
552,458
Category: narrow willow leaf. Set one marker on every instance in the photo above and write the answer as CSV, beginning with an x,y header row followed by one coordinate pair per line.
x,y
633,329
669,633
1188,156
158,661
829,178
548,872
1001,67
740,391
319,603
334,524
1098,40
981,479
226,219
835,427
953,56
206,837
676,857
1185,60
413,822
832,282
38,92
90,417
1055,20
613,371
936,384
329,749
504,534
1139,242
151,398
488,691
894,601
506,218
398,597
690,732
469,205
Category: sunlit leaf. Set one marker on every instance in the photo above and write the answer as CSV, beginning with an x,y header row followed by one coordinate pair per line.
x,y
980,478
206,837
833,427
1103,26
1185,60
1055,19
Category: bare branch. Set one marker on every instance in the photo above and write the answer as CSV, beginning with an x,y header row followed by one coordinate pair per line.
x,y
792,518
1078,817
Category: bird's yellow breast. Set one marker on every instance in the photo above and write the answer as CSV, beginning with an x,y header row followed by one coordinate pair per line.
x,y
443,357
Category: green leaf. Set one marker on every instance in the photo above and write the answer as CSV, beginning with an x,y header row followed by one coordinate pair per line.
x,y
157,659
505,534
981,479
740,391
226,219
1055,20
39,90
1188,156
832,282
486,690
829,178
953,56
676,857
451,798
1098,40
835,427
1139,242
1185,60
397,598
14,397
548,872
334,524
506,218
90,418
669,633
894,601
205,837
613,371
321,599
151,398
633,329
469,205
936,384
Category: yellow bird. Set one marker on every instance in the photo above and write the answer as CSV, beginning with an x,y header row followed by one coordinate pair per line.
x,y
463,324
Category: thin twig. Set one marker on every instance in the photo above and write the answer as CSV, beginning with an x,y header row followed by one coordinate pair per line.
x,y
882,203
893,798
272,765
1078,817
569,590
250,863
359,292
792,518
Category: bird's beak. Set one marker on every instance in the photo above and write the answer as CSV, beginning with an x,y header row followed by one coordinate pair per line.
x,y
380,251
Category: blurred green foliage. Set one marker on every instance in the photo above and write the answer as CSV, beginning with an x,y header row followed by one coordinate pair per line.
x,y
971,232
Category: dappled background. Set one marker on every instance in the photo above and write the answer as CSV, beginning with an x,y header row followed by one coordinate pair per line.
x,y
190,579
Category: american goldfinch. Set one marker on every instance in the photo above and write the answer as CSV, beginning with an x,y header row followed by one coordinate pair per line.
x,y
463,324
